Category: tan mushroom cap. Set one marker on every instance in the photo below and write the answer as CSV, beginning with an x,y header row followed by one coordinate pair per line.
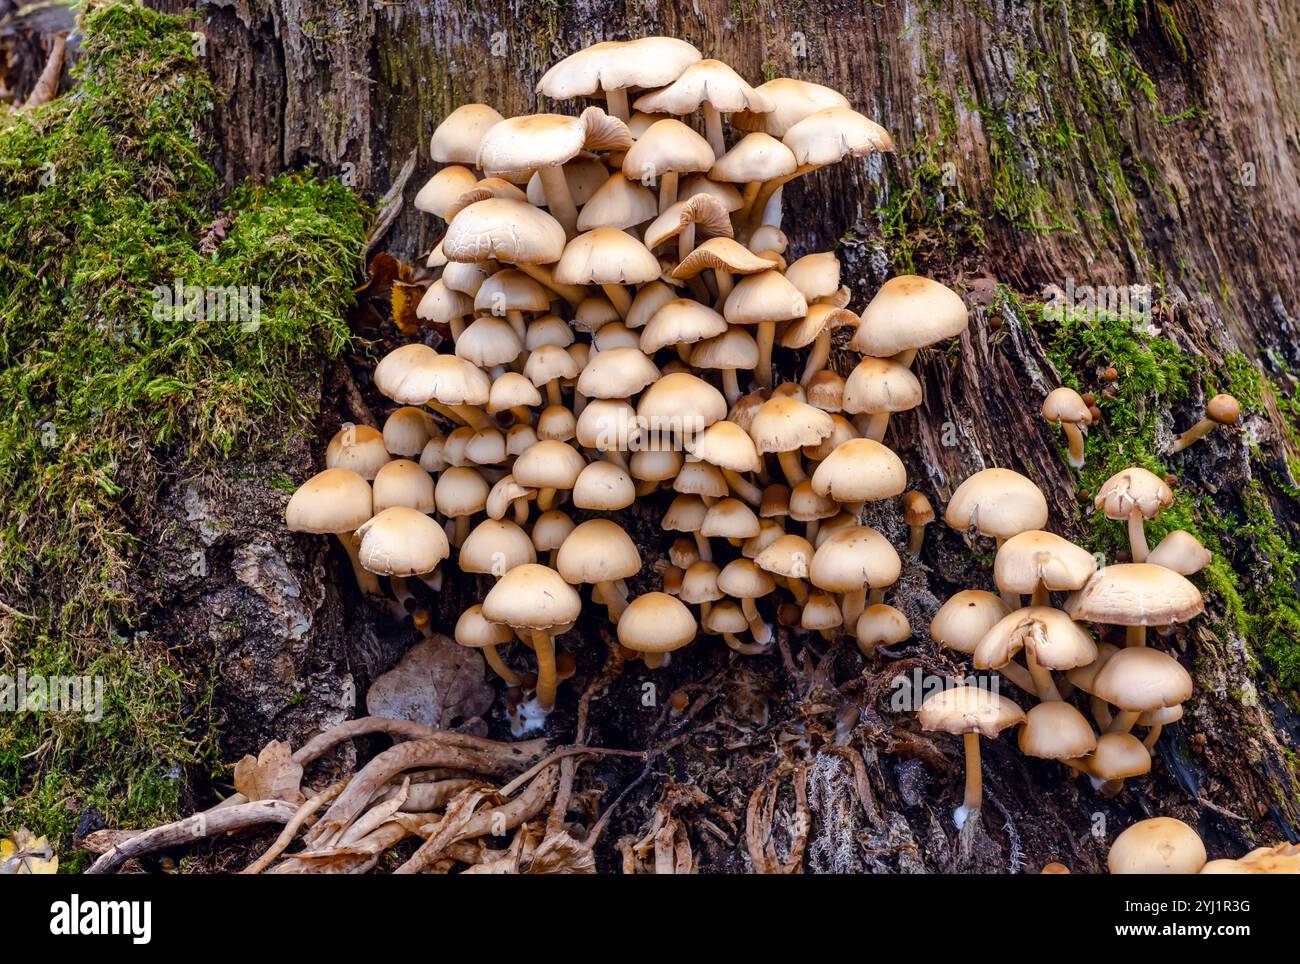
x,y
1055,730
968,709
511,390
407,431
726,445
598,551
682,403
1159,845
729,519
1180,551
443,305
830,135
618,64
1119,756
415,374
532,596
474,630
504,492
704,211
680,321
519,145
816,275
548,363
720,254
1223,409
618,203
488,342
457,138
511,290
965,617
1164,716
402,482
1139,678
440,192
917,510
467,276
705,82
879,385
998,503
603,487
756,157
401,542
1055,640
1133,488
743,579
495,547
792,100
510,231
667,147
826,391
648,300
881,625
330,502
789,556
821,317
548,464
1136,594
606,256
700,584
359,448
1084,677
551,529
784,424
617,373
860,470
853,558
1284,858
460,491
656,623
764,297
909,312
735,348
1065,405
821,611
1035,556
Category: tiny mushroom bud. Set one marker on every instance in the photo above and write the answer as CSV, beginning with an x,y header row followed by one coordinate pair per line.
x,y
881,625
917,513
1064,407
1219,410
1133,495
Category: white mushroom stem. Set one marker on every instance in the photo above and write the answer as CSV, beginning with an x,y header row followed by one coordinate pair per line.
x,y
616,104
724,282
1044,685
492,656
516,319
877,425
1137,536
730,385
974,795
713,129
686,243
461,532
1194,434
762,633
1123,722
791,466
446,411
654,660
521,510
1074,439
743,488
818,356
545,499
754,216
667,190
1153,734
618,297
1018,676
702,545
544,650
765,336
852,604
811,528
559,199
367,581
745,649
1100,711
614,599
553,396
1135,635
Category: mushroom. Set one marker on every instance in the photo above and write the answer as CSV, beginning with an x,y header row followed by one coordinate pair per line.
x,y
335,502
508,294
1065,407
475,632
764,299
909,313
1159,845
726,619
549,532
407,431
459,494
725,258
417,375
998,503
880,625
601,553
852,561
535,599
680,323
970,712
1180,551
789,557
1037,562
729,447
1219,410
792,100
755,160
548,466
785,425
700,587
456,140
614,66
857,471
1138,680
1049,638
917,513
742,579
359,448
1133,495
654,625
729,352
710,84
618,203
495,547
402,482
1136,595
610,258
401,542
603,487
666,150
815,329
1117,757
512,232
1057,731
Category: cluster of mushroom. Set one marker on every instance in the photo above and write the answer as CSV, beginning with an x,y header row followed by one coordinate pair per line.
x,y
1164,845
612,288
1127,686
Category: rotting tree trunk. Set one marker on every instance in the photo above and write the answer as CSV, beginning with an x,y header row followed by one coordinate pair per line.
x,y
1038,145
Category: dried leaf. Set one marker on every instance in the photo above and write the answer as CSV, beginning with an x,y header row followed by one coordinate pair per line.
x,y
405,298
560,853
25,853
437,683
273,775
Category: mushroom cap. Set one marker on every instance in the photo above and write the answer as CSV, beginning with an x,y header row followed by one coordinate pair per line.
x,y
503,492
650,464
825,390
495,547
1065,405
860,470
909,312
769,241
618,203
1133,489
532,596
667,147
1035,556
1159,845
456,140
816,275
1083,677
735,349
705,82
507,230
1284,858
402,482
764,297
700,583
548,464
743,579
603,487
415,374
468,276
997,502
407,431
598,551
648,300
1136,594
1055,640
792,100
474,630
1223,409
1164,716
832,134
879,385
511,290
656,623
439,194
968,709
401,542
1055,730
359,448
755,157
726,616
442,304
511,390
519,145
548,330
703,479
548,363
617,373
330,502
681,403
962,621
460,491
726,445
608,425
789,556
680,321
617,64
488,342
821,317
606,256
556,422
806,505
853,558
784,424
720,254
1180,551
881,625
551,529
1139,678
821,611
729,519
1119,756
726,194
917,510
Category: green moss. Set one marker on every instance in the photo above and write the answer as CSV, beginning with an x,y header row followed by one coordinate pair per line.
x,y
105,196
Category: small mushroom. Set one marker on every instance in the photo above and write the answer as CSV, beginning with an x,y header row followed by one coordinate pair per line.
x,y
536,600
1057,731
335,502
1065,407
917,513
654,625
1136,595
1159,845
601,553
1138,680
880,625
1219,410
474,631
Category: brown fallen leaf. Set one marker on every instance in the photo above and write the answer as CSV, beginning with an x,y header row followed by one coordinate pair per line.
x,y
437,683
404,300
26,853
272,775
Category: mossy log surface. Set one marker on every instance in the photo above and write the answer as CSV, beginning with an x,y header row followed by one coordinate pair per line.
x,y
1039,144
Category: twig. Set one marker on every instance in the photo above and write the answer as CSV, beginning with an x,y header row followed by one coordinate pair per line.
x,y
291,829
47,85
196,827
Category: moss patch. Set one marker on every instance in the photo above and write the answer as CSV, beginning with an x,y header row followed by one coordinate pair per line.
x,y
106,203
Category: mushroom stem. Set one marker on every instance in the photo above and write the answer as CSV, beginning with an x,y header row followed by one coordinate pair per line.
x,y
542,273
877,425
1135,635
667,190
818,356
1123,722
1044,685
446,411
747,199
713,129
1153,734
544,649
1137,536
765,336
618,297
745,649
1041,597
1100,711
1074,439
553,396
492,656
461,532
811,528
402,592
1018,676
702,545
730,385
559,199
743,488
614,599
852,604
797,589
654,660
686,242
1194,434
724,282
545,499
791,466
367,581
974,780
755,214
521,511
762,634
915,540
616,104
